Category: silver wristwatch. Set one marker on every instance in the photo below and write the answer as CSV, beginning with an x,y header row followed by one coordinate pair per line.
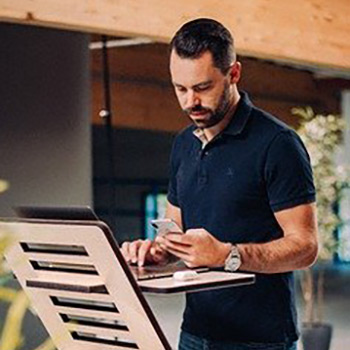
x,y
233,261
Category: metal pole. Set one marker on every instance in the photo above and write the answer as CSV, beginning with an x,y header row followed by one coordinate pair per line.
x,y
106,115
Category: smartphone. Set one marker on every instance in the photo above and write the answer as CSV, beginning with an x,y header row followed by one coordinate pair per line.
x,y
164,226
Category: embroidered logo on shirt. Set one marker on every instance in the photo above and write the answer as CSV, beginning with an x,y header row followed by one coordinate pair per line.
x,y
230,172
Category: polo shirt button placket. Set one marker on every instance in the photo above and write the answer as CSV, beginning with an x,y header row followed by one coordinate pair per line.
x,y
203,177
203,153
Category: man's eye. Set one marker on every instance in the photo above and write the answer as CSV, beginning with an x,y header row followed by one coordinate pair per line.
x,y
202,88
180,89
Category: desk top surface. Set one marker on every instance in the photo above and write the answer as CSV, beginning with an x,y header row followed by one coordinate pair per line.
x,y
204,281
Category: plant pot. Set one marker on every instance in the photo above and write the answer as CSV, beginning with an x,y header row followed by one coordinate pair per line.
x,y
316,336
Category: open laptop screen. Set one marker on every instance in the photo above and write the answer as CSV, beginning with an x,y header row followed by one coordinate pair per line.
x,y
80,213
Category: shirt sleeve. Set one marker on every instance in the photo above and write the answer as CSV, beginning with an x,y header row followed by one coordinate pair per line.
x,y
174,165
288,173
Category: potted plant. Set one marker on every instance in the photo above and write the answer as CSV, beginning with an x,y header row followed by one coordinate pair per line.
x,y
321,135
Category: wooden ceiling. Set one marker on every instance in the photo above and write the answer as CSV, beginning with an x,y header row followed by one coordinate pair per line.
x,y
313,32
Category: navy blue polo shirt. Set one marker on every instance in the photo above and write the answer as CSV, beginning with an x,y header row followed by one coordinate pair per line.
x,y
232,187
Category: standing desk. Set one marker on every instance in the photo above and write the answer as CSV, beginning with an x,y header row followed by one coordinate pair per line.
x,y
84,292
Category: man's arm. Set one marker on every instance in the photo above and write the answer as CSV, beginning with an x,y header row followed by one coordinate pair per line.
x,y
295,250
174,213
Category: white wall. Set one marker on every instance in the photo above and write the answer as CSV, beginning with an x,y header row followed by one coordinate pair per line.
x,y
45,142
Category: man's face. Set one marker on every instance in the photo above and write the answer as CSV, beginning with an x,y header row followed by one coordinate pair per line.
x,y
202,89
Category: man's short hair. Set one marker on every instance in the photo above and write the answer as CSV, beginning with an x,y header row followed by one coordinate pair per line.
x,y
205,34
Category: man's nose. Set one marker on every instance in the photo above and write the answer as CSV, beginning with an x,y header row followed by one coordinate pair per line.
x,y
192,99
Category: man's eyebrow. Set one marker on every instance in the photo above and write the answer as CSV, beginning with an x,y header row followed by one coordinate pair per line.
x,y
207,82
176,84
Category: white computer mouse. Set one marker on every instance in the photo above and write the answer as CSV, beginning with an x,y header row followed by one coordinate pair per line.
x,y
185,275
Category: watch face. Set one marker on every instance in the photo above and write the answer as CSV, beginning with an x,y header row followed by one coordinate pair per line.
x,y
233,264
233,261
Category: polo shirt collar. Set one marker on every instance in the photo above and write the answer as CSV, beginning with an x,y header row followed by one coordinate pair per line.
x,y
199,133
237,123
240,117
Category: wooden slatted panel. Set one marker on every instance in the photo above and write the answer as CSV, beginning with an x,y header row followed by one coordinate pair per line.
x,y
99,331
122,292
106,298
113,316
84,345
64,259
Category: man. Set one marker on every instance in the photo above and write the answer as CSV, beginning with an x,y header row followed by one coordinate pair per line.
x,y
241,188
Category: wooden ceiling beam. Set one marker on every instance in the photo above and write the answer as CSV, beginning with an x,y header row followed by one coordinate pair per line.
x,y
312,32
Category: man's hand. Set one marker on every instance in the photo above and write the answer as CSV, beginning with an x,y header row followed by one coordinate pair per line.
x,y
143,251
197,247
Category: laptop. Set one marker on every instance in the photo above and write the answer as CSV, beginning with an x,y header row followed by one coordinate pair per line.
x,y
86,213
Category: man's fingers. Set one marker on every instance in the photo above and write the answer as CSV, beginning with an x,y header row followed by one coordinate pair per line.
x,y
125,251
178,245
133,251
187,239
156,250
179,238
158,254
174,238
187,258
144,249
139,252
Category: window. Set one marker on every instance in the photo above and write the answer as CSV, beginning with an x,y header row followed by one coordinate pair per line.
x,y
154,208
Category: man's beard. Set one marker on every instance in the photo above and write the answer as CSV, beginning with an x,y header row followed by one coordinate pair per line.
x,y
212,117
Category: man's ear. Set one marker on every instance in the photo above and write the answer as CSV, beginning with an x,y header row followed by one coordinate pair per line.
x,y
235,72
